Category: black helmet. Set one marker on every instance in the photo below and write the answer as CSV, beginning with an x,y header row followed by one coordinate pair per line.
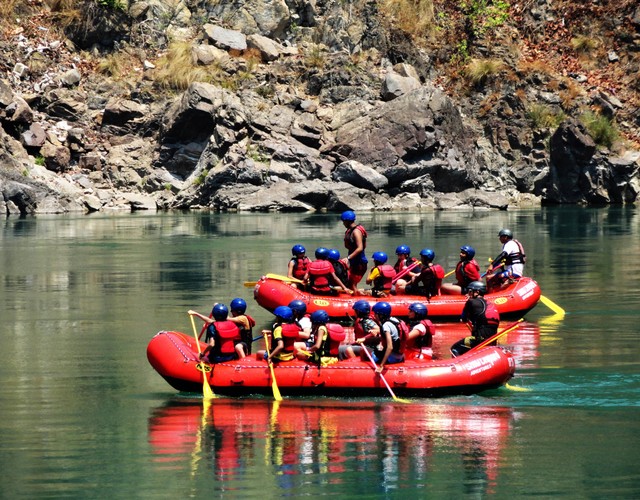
x,y
505,232
478,286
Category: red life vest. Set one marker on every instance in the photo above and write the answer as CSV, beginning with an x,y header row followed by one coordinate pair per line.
x,y
401,265
425,340
227,334
350,242
319,272
467,271
491,314
300,267
336,335
290,333
400,340
384,280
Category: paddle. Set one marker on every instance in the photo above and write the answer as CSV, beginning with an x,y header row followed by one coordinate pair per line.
x,y
405,271
552,305
207,393
496,336
375,367
274,383
272,276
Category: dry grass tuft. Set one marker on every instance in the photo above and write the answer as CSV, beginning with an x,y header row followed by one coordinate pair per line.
x,y
479,71
177,70
415,17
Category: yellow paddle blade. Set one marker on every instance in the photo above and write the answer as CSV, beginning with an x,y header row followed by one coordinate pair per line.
x,y
516,388
207,393
551,305
280,277
250,284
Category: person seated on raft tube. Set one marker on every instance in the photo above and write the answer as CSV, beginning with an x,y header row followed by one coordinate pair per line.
x,y
321,277
222,336
421,332
340,266
327,347
511,260
392,337
467,271
406,267
355,241
284,335
481,317
303,320
365,329
381,276
299,263
244,322
427,281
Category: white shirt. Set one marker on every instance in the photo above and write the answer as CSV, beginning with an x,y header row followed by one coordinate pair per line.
x,y
512,248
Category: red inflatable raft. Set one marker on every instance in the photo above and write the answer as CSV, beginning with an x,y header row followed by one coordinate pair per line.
x,y
512,302
174,355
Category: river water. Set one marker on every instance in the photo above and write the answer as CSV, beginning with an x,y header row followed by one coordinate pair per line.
x,y
83,415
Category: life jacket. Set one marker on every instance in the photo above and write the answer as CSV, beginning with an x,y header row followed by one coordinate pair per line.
x,y
246,334
467,271
358,327
290,333
350,244
425,340
384,280
399,340
341,270
300,267
319,272
336,335
400,266
491,314
432,277
520,257
227,333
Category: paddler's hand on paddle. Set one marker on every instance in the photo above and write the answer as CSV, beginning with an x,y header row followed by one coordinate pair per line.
x,y
379,368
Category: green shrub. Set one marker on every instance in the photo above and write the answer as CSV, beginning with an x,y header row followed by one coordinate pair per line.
x,y
601,129
544,117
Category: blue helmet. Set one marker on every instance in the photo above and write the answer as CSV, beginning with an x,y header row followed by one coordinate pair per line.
x,y
283,313
298,306
382,309
220,312
419,309
361,307
348,215
319,316
322,253
468,250
298,249
380,257
403,249
334,254
238,305
428,253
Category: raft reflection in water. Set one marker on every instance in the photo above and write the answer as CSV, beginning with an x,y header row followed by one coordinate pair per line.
x,y
341,441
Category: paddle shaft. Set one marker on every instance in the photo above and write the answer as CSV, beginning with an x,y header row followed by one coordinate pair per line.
x,y
274,382
375,367
207,392
496,336
405,271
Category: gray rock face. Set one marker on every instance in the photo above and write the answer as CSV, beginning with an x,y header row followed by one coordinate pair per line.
x,y
302,106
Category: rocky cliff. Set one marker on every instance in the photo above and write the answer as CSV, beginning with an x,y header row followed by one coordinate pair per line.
x,y
304,105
